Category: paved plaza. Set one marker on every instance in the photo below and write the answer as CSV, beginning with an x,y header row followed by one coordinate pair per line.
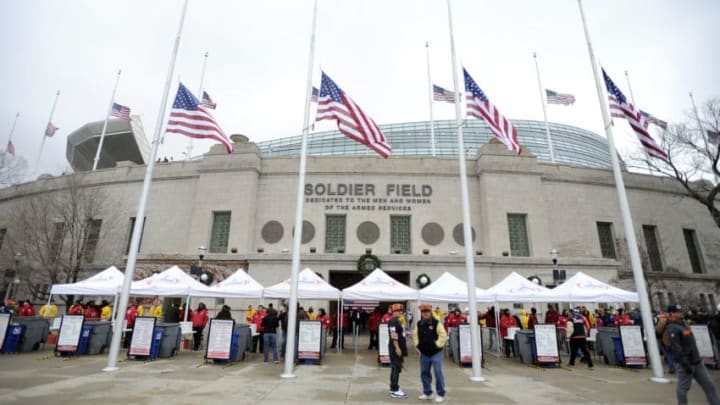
x,y
42,378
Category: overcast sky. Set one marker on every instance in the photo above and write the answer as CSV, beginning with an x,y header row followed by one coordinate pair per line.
x,y
373,49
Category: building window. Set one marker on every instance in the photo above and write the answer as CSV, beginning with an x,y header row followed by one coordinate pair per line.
x,y
57,239
3,231
130,233
93,235
671,298
607,241
517,230
400,234
713,304
220,234
653,250
693,250
335,234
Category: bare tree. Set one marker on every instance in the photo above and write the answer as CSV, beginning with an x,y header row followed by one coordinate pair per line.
x,y
55,230
12,169
692,157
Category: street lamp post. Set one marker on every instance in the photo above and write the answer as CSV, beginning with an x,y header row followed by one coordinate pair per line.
x,y
202,250
558,275
16,278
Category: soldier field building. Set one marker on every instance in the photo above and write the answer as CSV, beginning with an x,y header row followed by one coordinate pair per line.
x,y
403,213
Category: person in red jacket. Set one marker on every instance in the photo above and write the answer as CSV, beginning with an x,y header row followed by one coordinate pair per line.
x,y
199,320
130,315
532,319
257,318
91,311
455,319
76,308
386,316
507,321
26,309
373,326
622,318
324,319
551,316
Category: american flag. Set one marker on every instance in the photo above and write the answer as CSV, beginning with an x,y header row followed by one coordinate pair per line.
x,y
480,107
636,120
554,97
10,148
120,111
314,95
713,138
651,119
207,101
50,129
189,118
334,104
440,94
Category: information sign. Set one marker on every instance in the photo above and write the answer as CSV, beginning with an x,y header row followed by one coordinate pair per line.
x,y
632,343
219,340
383,341
142,337
704,343
309,335
546,347
70,330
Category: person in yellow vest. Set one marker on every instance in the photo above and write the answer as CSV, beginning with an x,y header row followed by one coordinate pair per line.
x,y
156,308
106,312
438,313
249,314
49,310
311,314
140,308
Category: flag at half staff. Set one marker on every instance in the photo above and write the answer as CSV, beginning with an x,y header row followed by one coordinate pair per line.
x,y
188,117
207,101
441,94
50,129
480,107
554,97
120,111
10,148
334,104
620,104
651,119
314,95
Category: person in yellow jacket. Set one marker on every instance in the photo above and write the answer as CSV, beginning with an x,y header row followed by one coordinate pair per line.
x,y
140,309
49,310
249,314
156,309
311,314
106,312
429,339
438,313
524,318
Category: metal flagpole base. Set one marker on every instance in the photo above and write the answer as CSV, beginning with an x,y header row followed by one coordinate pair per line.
x,y
477,379
107,369
287,375
660,380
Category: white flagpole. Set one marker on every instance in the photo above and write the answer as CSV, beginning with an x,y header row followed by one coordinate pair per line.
x,y
140,216
295,268
703,135
188,152
627,219
107,118
42,143
467,234
12,130
544,106
632,96
430,101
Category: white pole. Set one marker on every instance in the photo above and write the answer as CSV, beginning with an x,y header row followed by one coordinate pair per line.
x,y
430,100
467,234
42,143
627,219
627,78
107,118
12,130
292,304
200,90
544,106
140,217
702,130
114,308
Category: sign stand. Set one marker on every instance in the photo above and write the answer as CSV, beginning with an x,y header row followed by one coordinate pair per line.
x,y
704,344
546,347
465,345
71,328
383,341
220,340
309,342
143,338
632,345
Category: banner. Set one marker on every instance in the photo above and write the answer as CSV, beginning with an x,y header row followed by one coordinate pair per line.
x,y
69,336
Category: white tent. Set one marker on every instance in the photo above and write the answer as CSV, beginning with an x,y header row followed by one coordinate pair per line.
x,y
310,286
238,285
448,288
583,288
171,282
516,288
378,285
107,282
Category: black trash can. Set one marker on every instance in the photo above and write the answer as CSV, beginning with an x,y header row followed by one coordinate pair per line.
x,y
37,330
171,340
100,336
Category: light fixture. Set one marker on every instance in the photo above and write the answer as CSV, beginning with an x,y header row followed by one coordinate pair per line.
x,y
202,250
453,252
